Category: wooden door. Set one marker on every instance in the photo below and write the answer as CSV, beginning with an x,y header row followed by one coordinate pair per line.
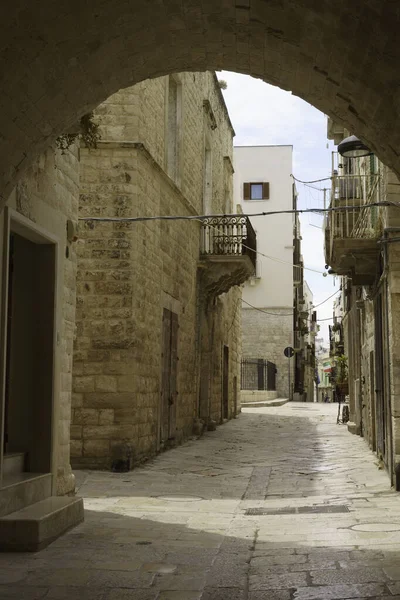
x,y
379,381
372,398
235,395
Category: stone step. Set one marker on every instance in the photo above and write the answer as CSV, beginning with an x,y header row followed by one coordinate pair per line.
x,y
23,489
13,463
265,403
37,525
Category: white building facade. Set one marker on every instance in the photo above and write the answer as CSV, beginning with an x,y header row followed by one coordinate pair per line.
x,y
263,183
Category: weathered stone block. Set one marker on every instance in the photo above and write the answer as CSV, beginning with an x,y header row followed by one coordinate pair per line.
x,y
83,384
76,448
106,416
108,432
76,432
96,448
106,383
86,416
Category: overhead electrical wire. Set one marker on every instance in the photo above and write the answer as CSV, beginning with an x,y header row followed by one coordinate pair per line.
x,y
291,314
285,262
267,312
326,299
201,218
312,181
261,214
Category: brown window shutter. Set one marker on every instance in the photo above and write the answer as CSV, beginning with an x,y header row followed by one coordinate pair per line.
x,y
246,191
265,190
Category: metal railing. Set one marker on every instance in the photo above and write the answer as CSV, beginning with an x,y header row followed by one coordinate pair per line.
x,y
228,236
356,190
258,374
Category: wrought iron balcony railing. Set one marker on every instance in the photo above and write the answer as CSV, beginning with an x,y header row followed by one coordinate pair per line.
x,y
228,236
357,191
354,226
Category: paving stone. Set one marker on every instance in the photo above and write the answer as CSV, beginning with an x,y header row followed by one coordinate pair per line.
x,y
26,593
59,577
277,581
340,592
13,575
270,595
330,577
266,561
179,582
77,593
175,595
132,579
393,572
394,588
223,594
137,594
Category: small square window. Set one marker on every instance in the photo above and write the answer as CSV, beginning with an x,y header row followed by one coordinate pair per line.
x,y
256,191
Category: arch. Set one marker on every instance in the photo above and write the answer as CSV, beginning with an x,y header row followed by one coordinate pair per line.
x,y
61,59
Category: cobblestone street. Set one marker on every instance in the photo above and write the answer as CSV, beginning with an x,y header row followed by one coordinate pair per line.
x,y
280,503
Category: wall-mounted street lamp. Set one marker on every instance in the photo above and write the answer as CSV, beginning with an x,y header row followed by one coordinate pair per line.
x,y
352,147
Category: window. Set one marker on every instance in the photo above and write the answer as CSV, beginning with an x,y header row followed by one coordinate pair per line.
x,y
256,191
207,180
174,102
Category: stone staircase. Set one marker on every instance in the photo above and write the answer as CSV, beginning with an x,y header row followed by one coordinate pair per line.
x,y
30,516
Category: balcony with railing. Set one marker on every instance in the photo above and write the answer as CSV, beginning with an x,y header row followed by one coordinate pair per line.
x,y
353,228
228,250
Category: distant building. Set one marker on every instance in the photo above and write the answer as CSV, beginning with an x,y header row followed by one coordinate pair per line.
x,y
262,183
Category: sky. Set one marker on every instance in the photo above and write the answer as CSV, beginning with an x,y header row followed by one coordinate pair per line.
x,y
263,114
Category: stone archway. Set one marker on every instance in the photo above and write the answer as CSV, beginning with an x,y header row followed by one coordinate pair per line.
x,y
62,59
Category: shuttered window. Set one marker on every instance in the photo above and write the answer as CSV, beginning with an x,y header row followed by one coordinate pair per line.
x,y
256,191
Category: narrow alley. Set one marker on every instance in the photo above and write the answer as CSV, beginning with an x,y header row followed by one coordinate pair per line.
x,y
280,503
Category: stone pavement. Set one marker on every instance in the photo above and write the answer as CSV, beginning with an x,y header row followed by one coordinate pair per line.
x,y
325,524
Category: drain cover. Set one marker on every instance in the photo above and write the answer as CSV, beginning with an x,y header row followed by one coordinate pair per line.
x,y
324,508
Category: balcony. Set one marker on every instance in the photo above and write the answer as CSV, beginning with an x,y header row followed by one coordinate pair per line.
x,y
351,235
228,250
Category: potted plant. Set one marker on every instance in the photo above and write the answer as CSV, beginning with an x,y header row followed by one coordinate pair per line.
x,y
342,374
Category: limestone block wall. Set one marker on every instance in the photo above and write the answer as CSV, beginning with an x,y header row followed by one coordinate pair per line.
x,y
266,336
48,196
130,272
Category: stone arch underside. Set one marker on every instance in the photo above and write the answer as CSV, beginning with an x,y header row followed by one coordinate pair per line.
x,y
61,58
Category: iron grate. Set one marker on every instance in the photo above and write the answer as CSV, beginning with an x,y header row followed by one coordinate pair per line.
x,y
298,510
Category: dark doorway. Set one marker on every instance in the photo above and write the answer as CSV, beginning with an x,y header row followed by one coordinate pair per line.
x,y
169,376
235,395
29,370
381,414
225,384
